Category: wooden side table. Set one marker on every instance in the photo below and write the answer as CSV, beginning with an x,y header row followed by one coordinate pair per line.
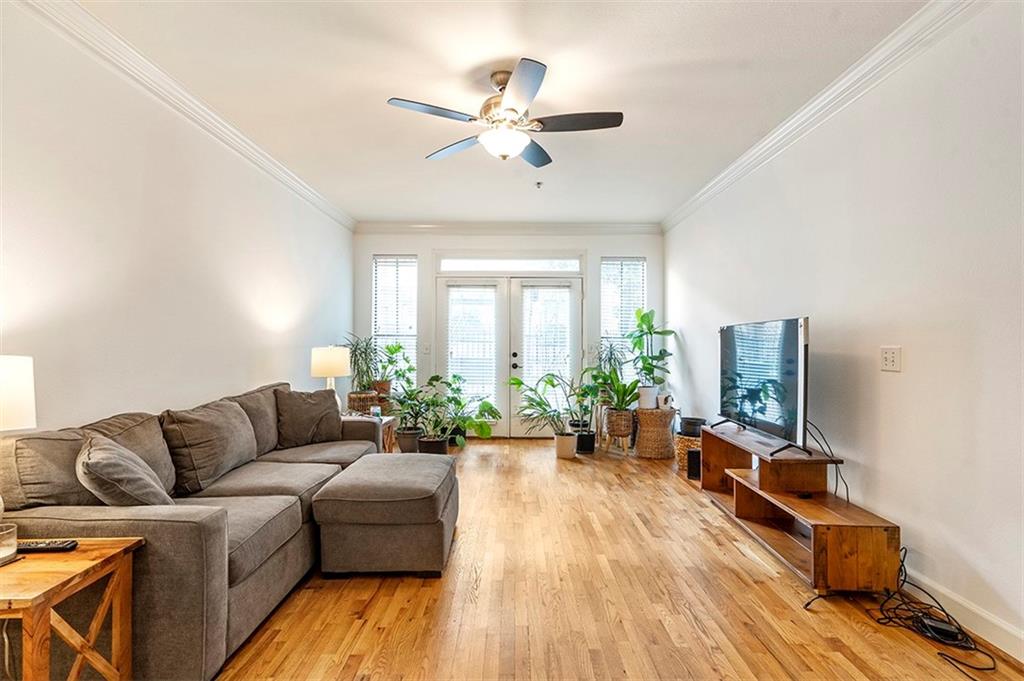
x,y
389,436
32,586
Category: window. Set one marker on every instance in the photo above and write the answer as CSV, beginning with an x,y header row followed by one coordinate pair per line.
x,y
510,265
473,339
623,291
394,302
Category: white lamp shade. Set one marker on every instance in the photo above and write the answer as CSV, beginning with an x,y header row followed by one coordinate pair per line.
x,y
330,362
17,393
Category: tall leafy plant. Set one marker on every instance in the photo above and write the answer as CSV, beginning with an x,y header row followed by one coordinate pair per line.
x,y
536,410
393,364
447,409
621,395
650,365
365,360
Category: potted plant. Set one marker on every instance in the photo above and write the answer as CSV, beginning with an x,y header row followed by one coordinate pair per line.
x,y
537,413
621,397
364,358
445,410
393,366
583,395
411,412
610,356
649,364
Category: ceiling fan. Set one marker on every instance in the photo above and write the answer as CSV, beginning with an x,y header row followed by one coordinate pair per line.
x,y
506,117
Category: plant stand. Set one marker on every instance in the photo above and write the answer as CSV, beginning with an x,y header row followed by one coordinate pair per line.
x,y
654,437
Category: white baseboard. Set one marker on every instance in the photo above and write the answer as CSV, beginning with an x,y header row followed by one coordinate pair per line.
x,y
995,630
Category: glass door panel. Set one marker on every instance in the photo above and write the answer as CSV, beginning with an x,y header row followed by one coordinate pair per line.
x,y
545,330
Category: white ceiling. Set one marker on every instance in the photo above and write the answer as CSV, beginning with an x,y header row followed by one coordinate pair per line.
x,y
699,83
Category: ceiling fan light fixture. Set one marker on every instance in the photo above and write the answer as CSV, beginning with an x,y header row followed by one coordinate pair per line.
x,y
503,141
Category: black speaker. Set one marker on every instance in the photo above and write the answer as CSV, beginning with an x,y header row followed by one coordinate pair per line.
x,y
693,464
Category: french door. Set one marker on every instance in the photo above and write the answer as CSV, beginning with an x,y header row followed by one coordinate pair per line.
x,y
490,329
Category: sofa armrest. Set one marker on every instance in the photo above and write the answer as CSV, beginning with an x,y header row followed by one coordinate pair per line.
x,y
365,428
180,581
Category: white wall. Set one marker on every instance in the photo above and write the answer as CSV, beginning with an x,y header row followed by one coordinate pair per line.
x,y
897,221
498,240
144,264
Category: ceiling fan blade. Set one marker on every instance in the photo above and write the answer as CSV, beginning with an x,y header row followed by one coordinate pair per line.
x,y
453,148
523,85
535,155
431,109
580,121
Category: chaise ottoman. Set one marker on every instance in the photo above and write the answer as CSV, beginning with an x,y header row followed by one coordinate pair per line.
x,y
388,513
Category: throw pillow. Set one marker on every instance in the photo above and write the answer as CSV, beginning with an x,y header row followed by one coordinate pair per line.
x,y
206,442
307,418
118,476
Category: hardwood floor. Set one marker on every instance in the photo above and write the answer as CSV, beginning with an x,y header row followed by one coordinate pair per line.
x,y
602,567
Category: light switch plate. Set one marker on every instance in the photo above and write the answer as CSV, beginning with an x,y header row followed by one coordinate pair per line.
x,y
892,358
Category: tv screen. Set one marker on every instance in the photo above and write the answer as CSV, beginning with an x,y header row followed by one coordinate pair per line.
x,y
764,376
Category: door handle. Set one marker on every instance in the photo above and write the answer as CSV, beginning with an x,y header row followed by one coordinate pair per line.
x,y
514,365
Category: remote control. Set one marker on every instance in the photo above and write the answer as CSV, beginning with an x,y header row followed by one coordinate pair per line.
x,y
46,545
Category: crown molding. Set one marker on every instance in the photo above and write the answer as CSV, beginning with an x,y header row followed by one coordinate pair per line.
x,y
908,40
508,228
76,22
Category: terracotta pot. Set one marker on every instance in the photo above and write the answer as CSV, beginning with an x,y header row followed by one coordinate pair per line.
x,y
433,445
362,400
565,446
382,387
407,439
619,422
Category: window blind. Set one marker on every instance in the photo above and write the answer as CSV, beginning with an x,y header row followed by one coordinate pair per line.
x,y
394,302
623,292
473,339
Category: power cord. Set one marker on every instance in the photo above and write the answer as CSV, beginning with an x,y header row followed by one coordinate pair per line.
x,y
826,449
930,620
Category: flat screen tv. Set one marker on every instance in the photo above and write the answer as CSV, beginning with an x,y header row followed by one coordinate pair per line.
x,y
764,376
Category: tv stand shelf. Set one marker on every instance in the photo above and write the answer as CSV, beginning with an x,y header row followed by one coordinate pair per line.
x,y
785,505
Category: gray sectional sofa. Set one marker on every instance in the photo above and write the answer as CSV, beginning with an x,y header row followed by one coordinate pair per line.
x,y
238,537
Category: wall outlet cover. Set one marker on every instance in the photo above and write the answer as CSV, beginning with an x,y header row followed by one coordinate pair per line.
x,y
892,358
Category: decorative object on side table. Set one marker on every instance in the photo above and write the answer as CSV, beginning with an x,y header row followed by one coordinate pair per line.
x,y
654,437
330,362
30,589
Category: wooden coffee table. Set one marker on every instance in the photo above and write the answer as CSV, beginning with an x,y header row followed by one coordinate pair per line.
x,y
31,586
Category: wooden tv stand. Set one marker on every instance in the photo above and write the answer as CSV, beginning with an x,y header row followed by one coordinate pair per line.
x,y
785,505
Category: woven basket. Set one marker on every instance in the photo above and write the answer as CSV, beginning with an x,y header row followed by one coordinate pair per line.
x,y
683,445
387,407
654,437
362,401
618,422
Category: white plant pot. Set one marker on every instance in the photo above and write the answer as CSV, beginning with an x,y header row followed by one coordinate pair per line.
x,y
648,397
565,446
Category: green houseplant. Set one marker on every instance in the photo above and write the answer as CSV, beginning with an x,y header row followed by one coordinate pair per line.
x,y
620,398
537,412
650,365
364,358
411,412
393,366
446,409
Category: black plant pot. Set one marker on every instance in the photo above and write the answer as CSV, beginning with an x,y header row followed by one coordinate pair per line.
x,y
585,442
453,439
433,446
407,438
689,426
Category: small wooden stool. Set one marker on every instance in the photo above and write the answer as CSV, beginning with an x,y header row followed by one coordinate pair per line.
x,y
654,435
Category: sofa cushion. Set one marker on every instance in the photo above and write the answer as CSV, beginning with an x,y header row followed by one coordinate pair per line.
x,y
38,469
260,478
260,405
388,489
206,442
307,418
257,527
117,476
140,433
340,453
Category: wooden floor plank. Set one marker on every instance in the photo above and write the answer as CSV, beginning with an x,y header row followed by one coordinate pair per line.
x,y
605,567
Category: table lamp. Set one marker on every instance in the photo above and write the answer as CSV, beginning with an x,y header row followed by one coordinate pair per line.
x,y
330,362
17,412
